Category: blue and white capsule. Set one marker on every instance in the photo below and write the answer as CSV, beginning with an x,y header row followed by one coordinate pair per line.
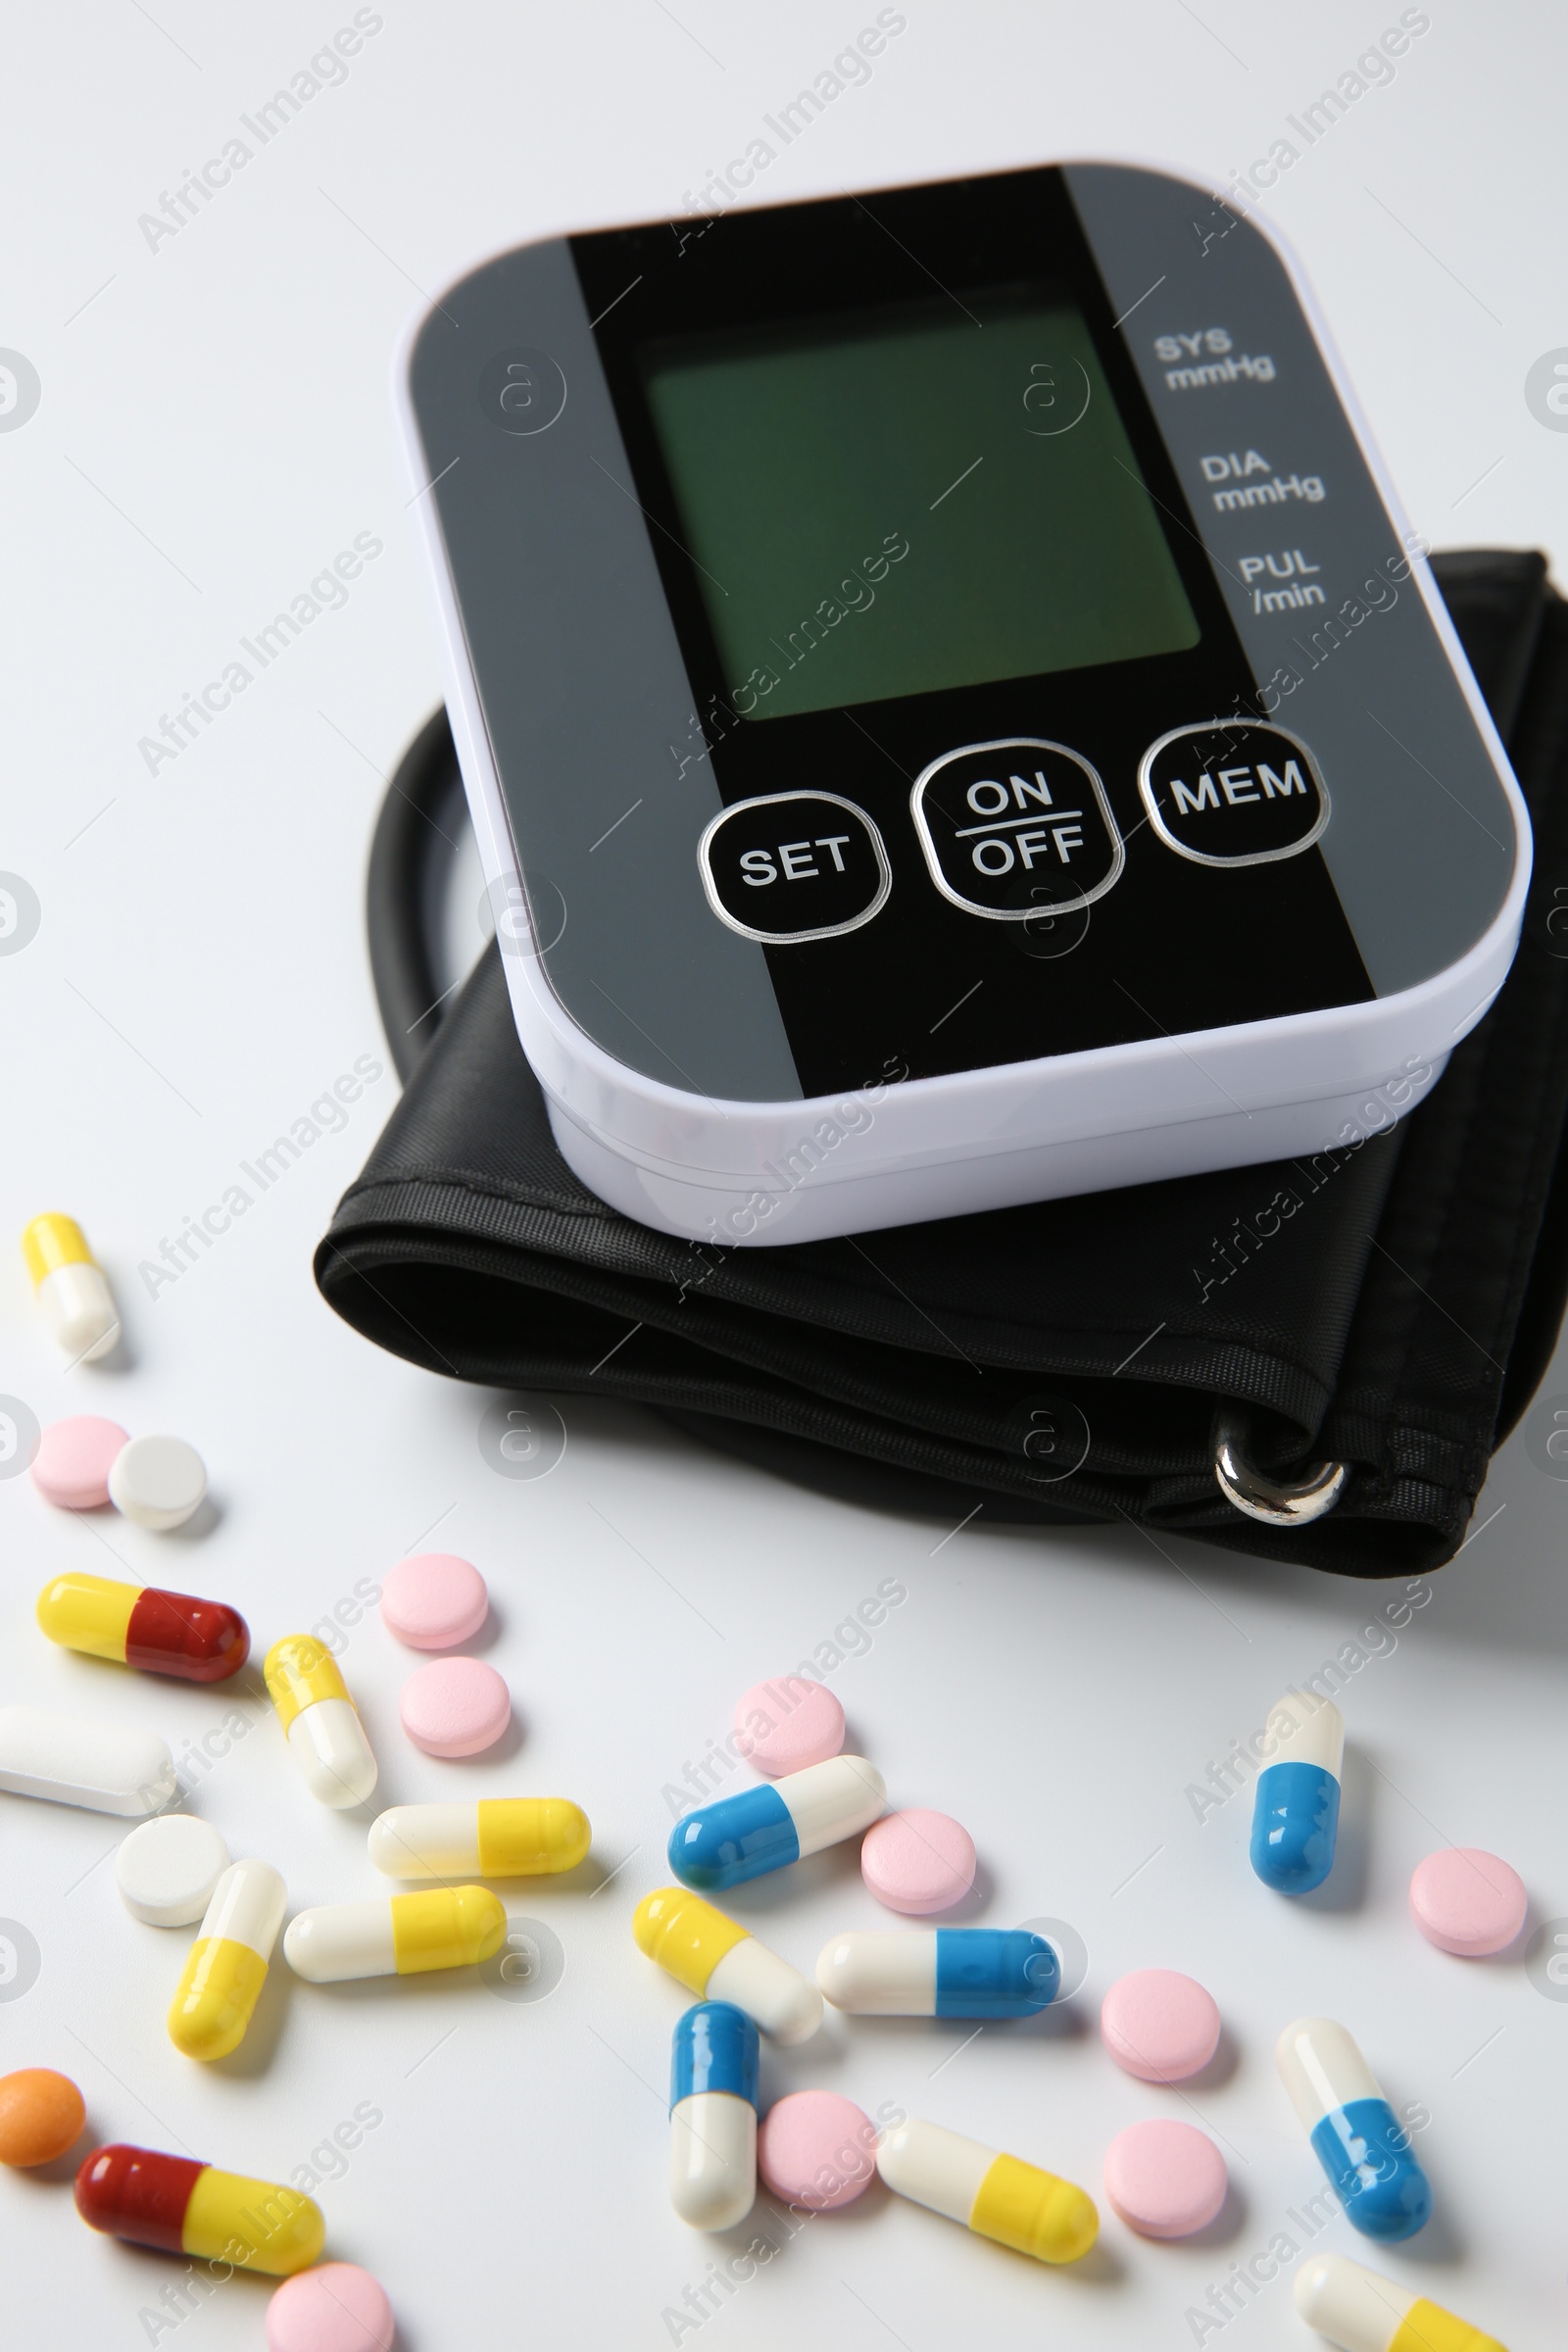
x,y
1296,1811
763,1829
940,1972
713,2116
1358,2140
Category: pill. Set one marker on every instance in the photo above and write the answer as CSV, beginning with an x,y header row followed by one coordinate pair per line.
x,y
325,1735
720,1961
713,2116
1361,2312
1295,1807
167,1869
158,1482
816,2149
1165,2179
499,1838
74,1457
1354,2134
1159,2025
336,2308
999,2198
76,1301
79,1760
227,1963
41,2115
179,2206
455,1707
763,1829
782,1727
1467,1901
434,1601
940,1972
139,1624
918,1861
396,1935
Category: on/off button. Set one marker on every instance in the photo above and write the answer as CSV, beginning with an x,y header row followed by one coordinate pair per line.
x,y
1015,828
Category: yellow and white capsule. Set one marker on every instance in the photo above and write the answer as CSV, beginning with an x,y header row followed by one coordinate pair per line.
x,y
720,1961
1361,2312
78,1304
999,2197
325,1735
498,1838
396,1935
228,1960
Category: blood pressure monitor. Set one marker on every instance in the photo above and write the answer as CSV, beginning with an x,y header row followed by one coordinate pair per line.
x,y
950,710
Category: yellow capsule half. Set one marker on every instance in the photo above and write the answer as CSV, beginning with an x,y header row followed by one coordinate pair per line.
x,y
256,2225
227,1963
684,1934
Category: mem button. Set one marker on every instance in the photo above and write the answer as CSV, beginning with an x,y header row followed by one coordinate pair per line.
x,y
1233,792
794,866
1014,829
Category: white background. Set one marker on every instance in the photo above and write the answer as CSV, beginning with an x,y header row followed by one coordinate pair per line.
x,y
214,428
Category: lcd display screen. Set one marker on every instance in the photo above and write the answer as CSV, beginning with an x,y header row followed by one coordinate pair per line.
x,y
938,497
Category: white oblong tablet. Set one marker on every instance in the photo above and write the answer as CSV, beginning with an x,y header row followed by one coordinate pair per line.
x,y
76,1760
158,1482
166,1871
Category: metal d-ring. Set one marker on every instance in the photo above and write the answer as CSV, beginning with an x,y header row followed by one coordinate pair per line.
x,y
1293,1503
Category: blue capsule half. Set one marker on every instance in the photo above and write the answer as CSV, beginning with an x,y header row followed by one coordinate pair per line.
x,y
1365,2152
1295,1822
994,1972
715,2048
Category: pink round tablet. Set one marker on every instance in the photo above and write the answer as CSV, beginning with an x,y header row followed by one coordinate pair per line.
x,y
74,1460
434,1601
455,1706
1159,2026
336,2308
1467,1901
918,1861
1166,2180
816,2149
786,1725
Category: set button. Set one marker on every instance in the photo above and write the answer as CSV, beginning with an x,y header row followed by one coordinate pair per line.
x,y
792,867
1012,828
1232,791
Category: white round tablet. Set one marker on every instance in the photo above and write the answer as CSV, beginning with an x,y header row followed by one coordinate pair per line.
x,y
158,1482
166,1871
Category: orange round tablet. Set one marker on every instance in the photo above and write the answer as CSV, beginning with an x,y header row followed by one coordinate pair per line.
x,y
41,2115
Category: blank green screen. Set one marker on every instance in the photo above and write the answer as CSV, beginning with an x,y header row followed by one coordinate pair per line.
x,y
988,446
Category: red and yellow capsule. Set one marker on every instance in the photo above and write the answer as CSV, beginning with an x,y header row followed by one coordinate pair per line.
x,y
137,1625
183,2207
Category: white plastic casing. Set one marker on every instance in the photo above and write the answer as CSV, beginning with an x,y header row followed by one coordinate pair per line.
x,y
994,1138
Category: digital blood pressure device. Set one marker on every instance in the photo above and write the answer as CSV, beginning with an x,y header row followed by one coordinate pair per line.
x,y
950,709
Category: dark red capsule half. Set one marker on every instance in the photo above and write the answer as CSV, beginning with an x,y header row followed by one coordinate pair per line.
x,y
138,2194
199,1641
